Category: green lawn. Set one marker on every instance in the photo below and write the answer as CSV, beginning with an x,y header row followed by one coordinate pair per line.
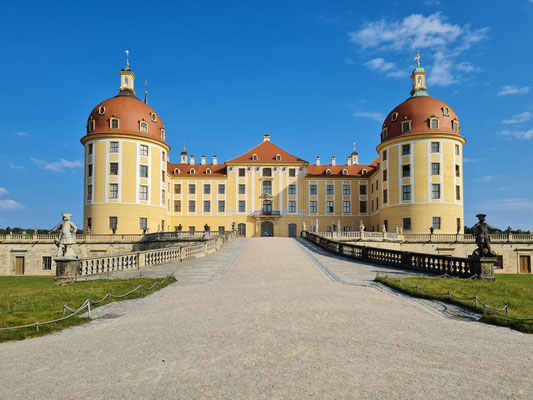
x,y
514,290
24,300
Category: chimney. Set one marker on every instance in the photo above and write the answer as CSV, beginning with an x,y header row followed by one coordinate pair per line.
x,y
348,161
266,138
192,160
203,160
317,160
215,161
333,163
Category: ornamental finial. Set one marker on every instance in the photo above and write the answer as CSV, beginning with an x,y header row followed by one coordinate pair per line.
x,y
127,58
417,58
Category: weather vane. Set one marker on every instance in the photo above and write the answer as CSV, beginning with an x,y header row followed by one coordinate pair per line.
x,y
127,58
417,58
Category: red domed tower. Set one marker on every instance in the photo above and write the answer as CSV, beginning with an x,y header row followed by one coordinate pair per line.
x,y
126,183
421,149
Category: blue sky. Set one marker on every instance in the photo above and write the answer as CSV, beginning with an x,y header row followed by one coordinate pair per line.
x,y
316,75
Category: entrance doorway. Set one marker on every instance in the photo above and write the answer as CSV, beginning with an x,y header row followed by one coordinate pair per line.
x,y
19,265
267,229
525,264
293,231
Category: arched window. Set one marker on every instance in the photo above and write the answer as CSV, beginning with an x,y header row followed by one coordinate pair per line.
x,y
385,133
254,157
445,110
328,172
208,171
176,171
364,172
278,157
345,171
162,134
455,125
192,171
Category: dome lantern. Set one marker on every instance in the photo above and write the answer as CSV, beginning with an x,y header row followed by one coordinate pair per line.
x,y
419,79
127,78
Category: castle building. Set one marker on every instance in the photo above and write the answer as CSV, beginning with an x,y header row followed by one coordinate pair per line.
x,y
132,185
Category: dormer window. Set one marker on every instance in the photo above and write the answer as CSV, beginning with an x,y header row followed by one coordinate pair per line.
x,y
345,171
278,157
455,125
113,123
162,134
385,133
446,111
176,171
406,126
101,110
434,123
92,124
254,157
153,117
208,171
192,171
394,116
328,172
143,127
364,171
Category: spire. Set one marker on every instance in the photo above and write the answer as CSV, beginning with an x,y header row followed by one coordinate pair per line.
x,y
419,79
126,78
183,155
145,91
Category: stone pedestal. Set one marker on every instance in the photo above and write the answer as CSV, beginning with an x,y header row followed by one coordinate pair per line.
x,y
485,268
66,270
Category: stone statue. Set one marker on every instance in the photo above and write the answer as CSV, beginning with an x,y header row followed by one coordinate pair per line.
x,y
481,233
67,237
401,230
397,230
304,227
361,226
316,225
384,229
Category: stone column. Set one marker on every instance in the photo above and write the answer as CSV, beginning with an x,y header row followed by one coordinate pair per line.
x,y
67,269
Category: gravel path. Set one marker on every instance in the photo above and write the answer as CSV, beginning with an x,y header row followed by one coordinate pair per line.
x,y
274,327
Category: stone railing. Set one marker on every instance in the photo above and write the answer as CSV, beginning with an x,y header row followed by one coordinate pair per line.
x,y
48,238
186,235
429,263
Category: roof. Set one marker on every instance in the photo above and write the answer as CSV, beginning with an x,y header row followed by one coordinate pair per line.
x,y
336,170
200,170
266,152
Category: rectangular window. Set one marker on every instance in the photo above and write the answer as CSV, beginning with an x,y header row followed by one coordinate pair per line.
x,y
242,188
456,149
435,191
385,198
144,127
221,206
435,168
346,189
329,206
362,206
292,172
458,225
267,172
47,262
143,223
329,189
372,188
113,191
362,189
89,223
292,206
435,147
436,222
242,171
144,150
406,126
177,188
114,123
89,170
163,176
406,170
312,206
345,206
90,149
292,189
457,171
192,206
163,156
144,171
89,192
267,187
207,206
457,192
113,147
192,189
113,223
177,205
406,224
113,168
384,155
221,189
312,189
406,192
406,149
207,189
434,123
163,197
143,192
384,175
242,206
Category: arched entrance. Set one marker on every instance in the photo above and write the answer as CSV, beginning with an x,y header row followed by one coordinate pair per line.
x,y
267,229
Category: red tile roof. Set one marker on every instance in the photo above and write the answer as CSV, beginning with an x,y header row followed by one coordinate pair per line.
x,y
200,170
336,171
266,152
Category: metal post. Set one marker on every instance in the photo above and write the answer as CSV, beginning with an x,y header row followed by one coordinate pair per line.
x,y
141,290
89,308
37,325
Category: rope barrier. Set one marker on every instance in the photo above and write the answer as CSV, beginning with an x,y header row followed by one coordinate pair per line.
x,y
450,296
86,304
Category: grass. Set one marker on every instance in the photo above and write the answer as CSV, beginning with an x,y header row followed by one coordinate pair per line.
x,y
24,300
514,290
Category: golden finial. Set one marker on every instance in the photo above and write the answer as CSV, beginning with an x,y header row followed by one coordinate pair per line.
x,y
353,146
417,58
127,58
